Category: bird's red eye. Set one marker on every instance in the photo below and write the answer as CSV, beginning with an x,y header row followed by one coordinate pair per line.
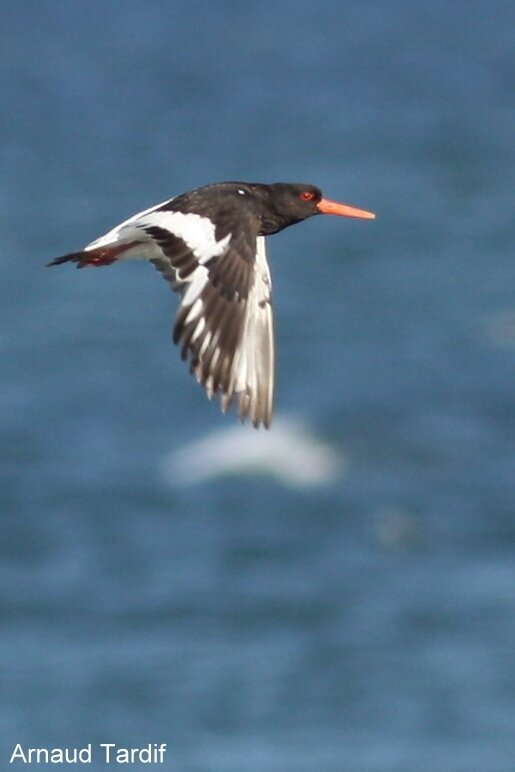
x,y
307,195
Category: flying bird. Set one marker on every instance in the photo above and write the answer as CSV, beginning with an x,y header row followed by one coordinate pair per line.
x,y
209,244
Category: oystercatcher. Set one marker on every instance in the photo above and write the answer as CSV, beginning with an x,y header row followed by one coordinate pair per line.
x,y
210,246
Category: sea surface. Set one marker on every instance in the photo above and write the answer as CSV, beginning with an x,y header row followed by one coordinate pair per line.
x,y
342,599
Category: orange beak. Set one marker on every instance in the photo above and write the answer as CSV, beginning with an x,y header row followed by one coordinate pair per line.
x,y
325,206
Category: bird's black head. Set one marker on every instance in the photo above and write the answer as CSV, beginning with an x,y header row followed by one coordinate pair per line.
x,y
287,204
283,204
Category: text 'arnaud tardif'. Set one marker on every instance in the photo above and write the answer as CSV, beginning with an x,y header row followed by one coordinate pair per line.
x,y
108,753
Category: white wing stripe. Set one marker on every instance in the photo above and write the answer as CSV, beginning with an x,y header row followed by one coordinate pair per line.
x,y
124,229
196,285
197,232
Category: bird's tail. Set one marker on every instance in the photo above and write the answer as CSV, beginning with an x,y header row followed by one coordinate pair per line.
x,y
93,257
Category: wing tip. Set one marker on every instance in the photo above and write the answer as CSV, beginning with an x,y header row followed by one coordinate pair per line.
x,y
72,257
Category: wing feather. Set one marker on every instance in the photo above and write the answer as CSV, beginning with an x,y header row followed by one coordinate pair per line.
x,y
256,366
224,323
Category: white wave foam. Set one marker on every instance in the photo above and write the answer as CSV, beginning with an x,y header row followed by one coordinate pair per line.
x,y
289,452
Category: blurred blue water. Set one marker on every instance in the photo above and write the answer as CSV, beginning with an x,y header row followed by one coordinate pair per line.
x,y
369,624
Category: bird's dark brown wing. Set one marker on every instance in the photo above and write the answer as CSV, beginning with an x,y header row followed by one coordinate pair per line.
x,y
224,323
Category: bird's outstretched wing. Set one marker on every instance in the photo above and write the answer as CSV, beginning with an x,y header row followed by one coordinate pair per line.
x,y
224,323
